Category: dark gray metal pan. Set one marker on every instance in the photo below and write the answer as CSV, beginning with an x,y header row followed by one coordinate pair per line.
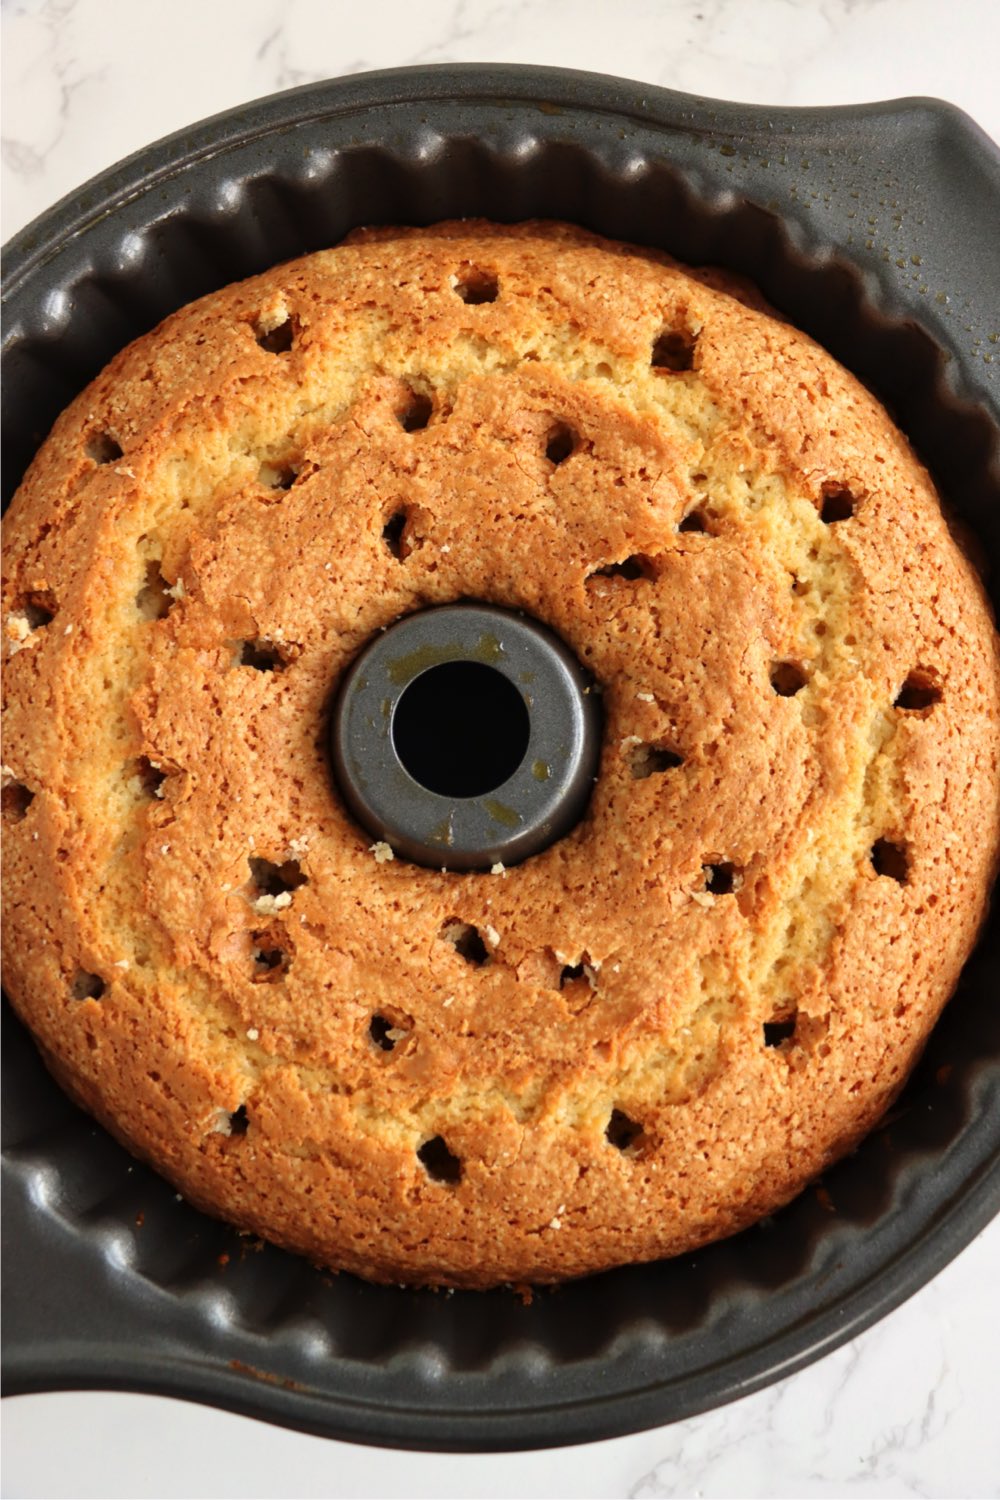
x,y
873,228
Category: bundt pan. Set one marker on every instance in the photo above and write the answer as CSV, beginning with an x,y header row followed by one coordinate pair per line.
x,y
874,229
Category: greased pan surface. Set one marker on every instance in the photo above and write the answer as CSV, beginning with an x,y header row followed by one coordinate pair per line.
x,y
870,228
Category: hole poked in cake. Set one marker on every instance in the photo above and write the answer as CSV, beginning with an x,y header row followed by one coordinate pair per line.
x,y
103,448
837,503
387,1031
467,942
560,443
15,799
920,691
156,598
626,1135
630,570
415,411
394,534
87,986
652,760
578,985
722,877
145,777
262,655
34,610
788,678
780,1029
673,350
475,285
277,476
694,521
276,338
238,1121
270,956
271,885
440,1164
891,859
581,977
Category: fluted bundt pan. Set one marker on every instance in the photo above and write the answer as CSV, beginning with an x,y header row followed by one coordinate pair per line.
x,y
874,230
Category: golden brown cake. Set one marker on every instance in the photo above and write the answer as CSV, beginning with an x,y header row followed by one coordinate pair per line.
x,y
664,1025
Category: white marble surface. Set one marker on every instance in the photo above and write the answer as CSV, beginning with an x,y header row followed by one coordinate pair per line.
x,y
908,1408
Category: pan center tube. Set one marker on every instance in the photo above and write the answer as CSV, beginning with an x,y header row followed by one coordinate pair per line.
x,y
466,736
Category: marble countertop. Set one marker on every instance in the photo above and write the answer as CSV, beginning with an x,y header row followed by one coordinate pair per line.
x,y
909,1407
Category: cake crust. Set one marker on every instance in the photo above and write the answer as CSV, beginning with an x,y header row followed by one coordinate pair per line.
x,y
691,1004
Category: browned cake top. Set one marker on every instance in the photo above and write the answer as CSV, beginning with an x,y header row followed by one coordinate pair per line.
x,y
662,1026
